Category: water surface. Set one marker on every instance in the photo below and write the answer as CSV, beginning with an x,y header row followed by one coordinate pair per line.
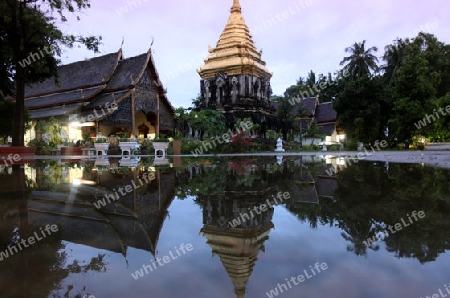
x,y
182,215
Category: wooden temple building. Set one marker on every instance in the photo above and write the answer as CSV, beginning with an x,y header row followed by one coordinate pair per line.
x,y
107,95
326,118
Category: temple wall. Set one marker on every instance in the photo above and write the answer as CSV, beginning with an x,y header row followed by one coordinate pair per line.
x,y
236,92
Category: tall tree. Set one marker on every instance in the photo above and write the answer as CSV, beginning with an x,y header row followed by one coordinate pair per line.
x,y
361,61
304,88
363,109
329,87
311,79
421,80
393,56
30,42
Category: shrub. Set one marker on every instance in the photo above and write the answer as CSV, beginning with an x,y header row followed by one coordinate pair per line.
x,y
240,143
187,146
334,147
113,148
419,142
42,147
351,145
52,128
38,143
310,147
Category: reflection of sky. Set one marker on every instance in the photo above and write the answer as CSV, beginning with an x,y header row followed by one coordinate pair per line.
x,y
291,248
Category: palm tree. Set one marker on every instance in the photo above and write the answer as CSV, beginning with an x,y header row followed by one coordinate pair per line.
x,y
361,61
311,79
393,56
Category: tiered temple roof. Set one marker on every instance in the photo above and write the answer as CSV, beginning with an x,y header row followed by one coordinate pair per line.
x,y
90,84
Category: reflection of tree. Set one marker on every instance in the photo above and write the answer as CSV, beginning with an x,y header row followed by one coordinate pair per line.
x,y
371,196
237,175
356,232
307,212
38,270
96,264
49,175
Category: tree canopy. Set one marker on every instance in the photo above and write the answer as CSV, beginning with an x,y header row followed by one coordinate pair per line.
x,y
361,61
30,46
386,101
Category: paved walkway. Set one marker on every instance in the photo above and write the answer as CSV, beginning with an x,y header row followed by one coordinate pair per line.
x,y
433,158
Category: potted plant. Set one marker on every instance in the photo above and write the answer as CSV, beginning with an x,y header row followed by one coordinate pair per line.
x,y
87,141
70,148
145,144
127,145
114,147
101,145
161,144
39,144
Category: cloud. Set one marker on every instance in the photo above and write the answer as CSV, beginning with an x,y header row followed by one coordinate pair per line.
x,y
314,38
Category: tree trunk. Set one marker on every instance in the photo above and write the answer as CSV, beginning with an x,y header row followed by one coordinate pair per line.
x,y
18,125
18,128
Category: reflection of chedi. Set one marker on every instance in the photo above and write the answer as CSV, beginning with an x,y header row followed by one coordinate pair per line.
x,y
238,247
234,79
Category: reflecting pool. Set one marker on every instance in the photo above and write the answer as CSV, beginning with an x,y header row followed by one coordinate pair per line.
x,y
300,226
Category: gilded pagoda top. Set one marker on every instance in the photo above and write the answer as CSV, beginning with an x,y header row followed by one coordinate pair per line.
x,y
235,52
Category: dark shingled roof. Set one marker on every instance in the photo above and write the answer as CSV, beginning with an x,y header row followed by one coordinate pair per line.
x,y
54,111
305,123
91,84
326,186
83,73
101,107
128,70
61,98
309,103
327,129
325,113
304,194
105,98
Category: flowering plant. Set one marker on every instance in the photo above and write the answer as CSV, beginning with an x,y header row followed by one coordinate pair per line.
x,y
239,143
242,167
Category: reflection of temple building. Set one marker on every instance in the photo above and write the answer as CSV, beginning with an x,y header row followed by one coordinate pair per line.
x,y
311,182
135,220
245,184
236,247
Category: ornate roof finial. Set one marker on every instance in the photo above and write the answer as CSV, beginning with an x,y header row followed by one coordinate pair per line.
x,y
236,6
